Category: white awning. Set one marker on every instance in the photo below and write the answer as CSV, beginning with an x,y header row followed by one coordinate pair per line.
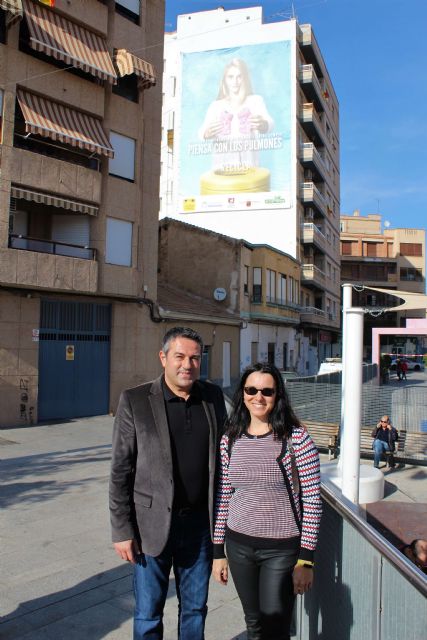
x,y
412,299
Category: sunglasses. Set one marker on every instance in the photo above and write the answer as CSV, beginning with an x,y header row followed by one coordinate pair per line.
x,y
267,392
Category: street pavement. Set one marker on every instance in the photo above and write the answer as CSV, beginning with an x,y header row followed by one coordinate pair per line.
x,y
60,579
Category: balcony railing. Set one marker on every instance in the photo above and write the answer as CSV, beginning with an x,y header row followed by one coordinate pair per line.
x,y
312,274
311,234
309,155
311,194
311,122
311,84
27,243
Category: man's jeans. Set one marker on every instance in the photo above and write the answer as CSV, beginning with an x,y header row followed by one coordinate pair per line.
x,y
189,551
380,447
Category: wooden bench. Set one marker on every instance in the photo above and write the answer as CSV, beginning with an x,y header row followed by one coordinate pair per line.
x,y
410,448
325,436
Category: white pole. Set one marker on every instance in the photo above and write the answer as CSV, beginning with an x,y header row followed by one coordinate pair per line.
x,y
347,291
350,449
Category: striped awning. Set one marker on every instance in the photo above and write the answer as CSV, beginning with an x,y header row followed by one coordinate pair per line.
x,y
58,122
65,40
22,193
127,63
14,10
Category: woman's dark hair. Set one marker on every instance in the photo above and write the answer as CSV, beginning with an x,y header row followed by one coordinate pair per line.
x,y
282,417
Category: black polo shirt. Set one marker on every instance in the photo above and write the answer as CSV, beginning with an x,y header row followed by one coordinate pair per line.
x,y
189,434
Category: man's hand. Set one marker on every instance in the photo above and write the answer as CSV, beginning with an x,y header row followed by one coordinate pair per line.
x,y
220,570
127,550
303,579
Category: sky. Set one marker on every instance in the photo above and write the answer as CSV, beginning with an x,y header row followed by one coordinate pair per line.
x,y
376,56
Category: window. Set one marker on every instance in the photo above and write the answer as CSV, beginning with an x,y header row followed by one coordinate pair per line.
x,y
411,249
3,30
271,286
127,87
271,352
346,247
119,242
246,280
123,163
128,9
372,249
291,289
257,286
226,364
281,289
409,274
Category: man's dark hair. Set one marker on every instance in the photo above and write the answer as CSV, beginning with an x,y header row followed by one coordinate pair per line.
x,y
181,332
282,417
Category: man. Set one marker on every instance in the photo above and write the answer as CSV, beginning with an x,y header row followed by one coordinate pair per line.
x,y
165,442
385,436
417,552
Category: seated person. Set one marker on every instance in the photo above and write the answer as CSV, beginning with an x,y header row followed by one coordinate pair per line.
x,y
385,436
417,552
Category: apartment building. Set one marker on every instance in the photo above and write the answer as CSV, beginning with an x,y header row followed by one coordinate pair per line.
x,y
80,104
277,185
256,283
375,255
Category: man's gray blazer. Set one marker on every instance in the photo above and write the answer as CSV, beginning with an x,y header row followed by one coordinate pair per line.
x,y
141,482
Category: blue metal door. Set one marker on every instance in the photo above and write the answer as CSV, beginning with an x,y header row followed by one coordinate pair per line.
x,y
74,359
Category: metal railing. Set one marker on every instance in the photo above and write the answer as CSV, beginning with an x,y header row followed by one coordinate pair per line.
x,y
364,588
39,245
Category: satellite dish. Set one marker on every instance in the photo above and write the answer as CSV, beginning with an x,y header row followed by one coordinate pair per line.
x,y
387,223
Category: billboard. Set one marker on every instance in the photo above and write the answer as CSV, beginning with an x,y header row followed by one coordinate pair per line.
x,y
235,143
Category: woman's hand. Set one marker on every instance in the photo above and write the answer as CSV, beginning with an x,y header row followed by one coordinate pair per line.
x,y
213,130
303,579
220,570
258,124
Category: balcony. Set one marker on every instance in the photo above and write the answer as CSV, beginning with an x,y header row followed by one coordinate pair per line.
x,y
313,277
49,246
43,269
311,195
311,234
310,48
311,85
312,124
313,315
311,159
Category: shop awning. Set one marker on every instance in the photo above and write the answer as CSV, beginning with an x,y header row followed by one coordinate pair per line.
x,y
65,40
13,8
22,193
58,122
127,63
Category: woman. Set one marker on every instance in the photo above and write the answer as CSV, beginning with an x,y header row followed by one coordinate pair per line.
x,y
270,531
236,115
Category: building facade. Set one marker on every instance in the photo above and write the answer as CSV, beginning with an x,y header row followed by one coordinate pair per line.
x,y
263,167
375,255
230,277
80,163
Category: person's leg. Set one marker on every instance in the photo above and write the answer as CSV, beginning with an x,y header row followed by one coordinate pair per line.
x,y
245,573
192,564
378,449
276,592
150,583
